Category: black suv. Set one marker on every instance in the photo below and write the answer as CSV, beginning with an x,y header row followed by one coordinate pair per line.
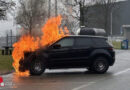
x,y
91,52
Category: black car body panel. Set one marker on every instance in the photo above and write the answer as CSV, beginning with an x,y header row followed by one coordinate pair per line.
x,y
105,53
76,56
72,52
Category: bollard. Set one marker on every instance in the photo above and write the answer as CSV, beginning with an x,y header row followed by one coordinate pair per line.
x,y
6,50
10,52
3,52
125,44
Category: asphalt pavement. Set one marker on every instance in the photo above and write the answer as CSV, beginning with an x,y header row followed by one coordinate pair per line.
x,y
117,78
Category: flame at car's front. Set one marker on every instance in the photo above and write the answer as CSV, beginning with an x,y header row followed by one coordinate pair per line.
x,y
27,43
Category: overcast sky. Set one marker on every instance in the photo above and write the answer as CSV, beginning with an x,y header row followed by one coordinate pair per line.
x,y
7,25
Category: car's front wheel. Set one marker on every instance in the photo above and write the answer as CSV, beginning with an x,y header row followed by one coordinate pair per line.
x,y
37,67
100,65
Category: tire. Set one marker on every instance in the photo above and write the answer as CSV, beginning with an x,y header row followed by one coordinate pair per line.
x,y
37,67
100,65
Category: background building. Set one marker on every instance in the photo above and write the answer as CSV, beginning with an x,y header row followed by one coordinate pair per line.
x,y
126,32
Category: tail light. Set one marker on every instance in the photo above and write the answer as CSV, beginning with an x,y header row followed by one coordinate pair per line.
x,y
110,48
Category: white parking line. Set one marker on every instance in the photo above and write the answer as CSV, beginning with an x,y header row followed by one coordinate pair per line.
x,y
121,72
90,83
8,75
83,86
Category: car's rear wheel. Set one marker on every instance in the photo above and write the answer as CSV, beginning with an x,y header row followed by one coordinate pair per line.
x,y
37,67
100,65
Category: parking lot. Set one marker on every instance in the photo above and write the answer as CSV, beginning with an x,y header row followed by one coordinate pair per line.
x,y
117,78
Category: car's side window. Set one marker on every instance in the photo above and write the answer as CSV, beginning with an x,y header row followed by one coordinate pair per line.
x,y
66,42
100,42
83,42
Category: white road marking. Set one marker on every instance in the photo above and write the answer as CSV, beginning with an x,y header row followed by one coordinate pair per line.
x,y
91,83
8,75
83,86
65,70
121,72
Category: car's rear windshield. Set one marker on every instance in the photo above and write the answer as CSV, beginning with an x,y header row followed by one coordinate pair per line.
x,y
100,42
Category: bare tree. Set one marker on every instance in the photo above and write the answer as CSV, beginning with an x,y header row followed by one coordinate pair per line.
x,y
107,7
49,8
31,14
79,9
72,24
74,14
4,6
67,21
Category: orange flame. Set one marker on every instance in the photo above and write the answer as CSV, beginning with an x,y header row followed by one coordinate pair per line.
x,y
51,33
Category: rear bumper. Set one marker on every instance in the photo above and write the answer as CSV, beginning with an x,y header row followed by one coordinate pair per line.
x,y
112,59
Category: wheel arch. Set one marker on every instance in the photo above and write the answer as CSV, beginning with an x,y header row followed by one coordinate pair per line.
x,y
100,53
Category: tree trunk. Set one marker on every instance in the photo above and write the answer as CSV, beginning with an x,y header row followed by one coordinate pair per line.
x,y
49,8
82,23
56,11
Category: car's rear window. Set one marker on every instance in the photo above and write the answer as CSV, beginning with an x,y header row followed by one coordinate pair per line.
x,y
100,42
83,42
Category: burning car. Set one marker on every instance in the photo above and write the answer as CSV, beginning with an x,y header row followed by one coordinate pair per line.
x,y
57,49
91,52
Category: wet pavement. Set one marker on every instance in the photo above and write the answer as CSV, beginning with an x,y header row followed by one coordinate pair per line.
x,y
117,78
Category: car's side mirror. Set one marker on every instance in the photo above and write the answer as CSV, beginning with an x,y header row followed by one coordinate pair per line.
x,y
57,46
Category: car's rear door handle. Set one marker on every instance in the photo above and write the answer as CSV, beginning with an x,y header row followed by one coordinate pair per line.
x,y
82,48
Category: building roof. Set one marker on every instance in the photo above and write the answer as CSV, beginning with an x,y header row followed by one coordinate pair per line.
x,y
126,26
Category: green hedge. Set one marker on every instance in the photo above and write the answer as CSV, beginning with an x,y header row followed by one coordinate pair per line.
x,y
5,63
116,45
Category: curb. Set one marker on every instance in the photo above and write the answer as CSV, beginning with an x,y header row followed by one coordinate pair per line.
x,y
5,73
